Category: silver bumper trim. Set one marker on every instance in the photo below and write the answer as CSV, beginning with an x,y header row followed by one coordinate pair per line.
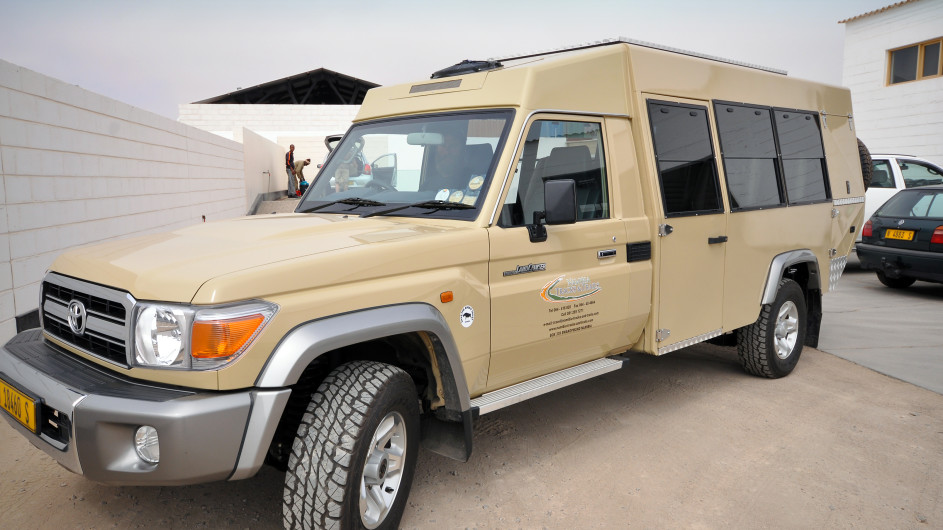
x,y
201,432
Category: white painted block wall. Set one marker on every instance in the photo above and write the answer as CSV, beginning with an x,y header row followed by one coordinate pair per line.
x,y
902,118
302,125
78,168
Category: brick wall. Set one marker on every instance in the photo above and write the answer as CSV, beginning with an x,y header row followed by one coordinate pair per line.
x,y
78,167
901,118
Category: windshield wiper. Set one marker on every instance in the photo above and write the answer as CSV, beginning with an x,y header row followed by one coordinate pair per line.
x,y
353,201
433,205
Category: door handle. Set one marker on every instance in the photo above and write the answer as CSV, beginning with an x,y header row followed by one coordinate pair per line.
x,y
716,240
602,254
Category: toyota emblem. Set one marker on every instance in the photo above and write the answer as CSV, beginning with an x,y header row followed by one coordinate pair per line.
x,y
77,317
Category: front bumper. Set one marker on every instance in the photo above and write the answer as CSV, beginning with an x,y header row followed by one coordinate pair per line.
x,y
896,263
89,416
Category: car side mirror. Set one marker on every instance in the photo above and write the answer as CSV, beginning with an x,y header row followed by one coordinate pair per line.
x,y
560,201
559,208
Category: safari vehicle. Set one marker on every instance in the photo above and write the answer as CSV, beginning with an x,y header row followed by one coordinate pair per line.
x,y
550,214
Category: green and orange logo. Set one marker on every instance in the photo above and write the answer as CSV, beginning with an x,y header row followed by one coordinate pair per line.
x,y
573,289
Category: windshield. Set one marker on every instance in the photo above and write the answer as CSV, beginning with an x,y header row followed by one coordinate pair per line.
x,y
430,166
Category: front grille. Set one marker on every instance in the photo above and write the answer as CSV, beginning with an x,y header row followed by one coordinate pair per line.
x,y
108,308
107,315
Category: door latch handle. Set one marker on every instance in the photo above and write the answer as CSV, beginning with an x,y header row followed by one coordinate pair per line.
x,y
716,240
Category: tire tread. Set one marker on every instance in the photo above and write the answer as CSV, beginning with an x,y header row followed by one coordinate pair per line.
x,y
320,459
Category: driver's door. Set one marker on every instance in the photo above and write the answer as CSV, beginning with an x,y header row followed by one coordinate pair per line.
x,y
563,301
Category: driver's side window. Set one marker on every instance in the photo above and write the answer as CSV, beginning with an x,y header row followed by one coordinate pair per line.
x,y
556,150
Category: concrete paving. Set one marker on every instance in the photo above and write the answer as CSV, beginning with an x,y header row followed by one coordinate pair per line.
x,y
283,205
897,332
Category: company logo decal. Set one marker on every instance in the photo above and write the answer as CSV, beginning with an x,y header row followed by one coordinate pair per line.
x,y
467,316
523,269
565,289
77,317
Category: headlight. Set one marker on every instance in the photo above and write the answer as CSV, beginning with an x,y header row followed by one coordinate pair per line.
x,y
160,336
186,337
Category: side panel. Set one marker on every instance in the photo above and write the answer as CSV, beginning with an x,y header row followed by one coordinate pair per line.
x,y
533,335
755,239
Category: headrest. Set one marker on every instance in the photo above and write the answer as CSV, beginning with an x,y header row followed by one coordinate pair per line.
x,y
565,161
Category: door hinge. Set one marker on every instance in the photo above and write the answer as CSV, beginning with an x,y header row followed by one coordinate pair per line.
x,y
662,334
664,230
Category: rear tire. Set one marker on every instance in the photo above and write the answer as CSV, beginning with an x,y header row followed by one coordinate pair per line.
x,y
352,461
771,346
895,283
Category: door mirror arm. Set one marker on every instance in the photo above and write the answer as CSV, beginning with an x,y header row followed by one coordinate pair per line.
x,y
538,231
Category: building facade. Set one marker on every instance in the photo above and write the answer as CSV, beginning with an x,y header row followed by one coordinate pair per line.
x,y
894,68
301,109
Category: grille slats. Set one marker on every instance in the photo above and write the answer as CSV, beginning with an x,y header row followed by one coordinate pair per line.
x,y
107,311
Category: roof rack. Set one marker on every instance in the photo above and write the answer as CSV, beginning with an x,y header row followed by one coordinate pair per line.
x,y
624,40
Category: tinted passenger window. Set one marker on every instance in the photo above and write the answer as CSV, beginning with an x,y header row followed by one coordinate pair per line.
x,y
749,156
555,150
882,176
917,174
685,158
800,145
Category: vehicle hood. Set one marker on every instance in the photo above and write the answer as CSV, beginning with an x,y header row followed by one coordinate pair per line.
x,y
173,266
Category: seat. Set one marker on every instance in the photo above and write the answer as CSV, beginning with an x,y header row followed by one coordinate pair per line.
x,y
478,158
572,162
880,179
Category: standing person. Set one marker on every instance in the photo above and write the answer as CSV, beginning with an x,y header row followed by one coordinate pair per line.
x,y
299,170
290,170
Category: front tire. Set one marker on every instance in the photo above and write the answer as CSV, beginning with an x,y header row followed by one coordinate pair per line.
x,y
771,346
352,461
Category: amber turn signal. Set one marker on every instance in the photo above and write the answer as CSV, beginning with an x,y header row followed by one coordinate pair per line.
x,y
222,338
446,297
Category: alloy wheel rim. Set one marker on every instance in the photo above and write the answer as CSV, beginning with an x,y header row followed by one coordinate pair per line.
x,y
383,470
787,329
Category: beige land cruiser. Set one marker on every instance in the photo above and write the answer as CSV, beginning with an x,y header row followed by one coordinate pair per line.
x,y
529,221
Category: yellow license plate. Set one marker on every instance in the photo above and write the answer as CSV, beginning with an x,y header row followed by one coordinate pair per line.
x,y
903,235
22,407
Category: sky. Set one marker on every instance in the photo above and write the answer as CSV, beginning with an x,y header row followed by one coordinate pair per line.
x,y
157,54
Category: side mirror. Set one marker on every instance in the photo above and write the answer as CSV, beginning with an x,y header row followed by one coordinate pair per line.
x,y
559,208
560,201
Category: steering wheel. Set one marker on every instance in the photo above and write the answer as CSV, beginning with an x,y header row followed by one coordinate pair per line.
x,y
376,184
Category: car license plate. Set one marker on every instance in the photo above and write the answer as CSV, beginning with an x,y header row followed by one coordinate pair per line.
x,y
903,235
22,407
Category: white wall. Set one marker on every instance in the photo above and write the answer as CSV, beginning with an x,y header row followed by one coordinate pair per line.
x,y
302,125
265,168
901,118
78,167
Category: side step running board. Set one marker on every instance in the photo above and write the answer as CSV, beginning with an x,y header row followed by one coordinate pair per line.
x,y
504,397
